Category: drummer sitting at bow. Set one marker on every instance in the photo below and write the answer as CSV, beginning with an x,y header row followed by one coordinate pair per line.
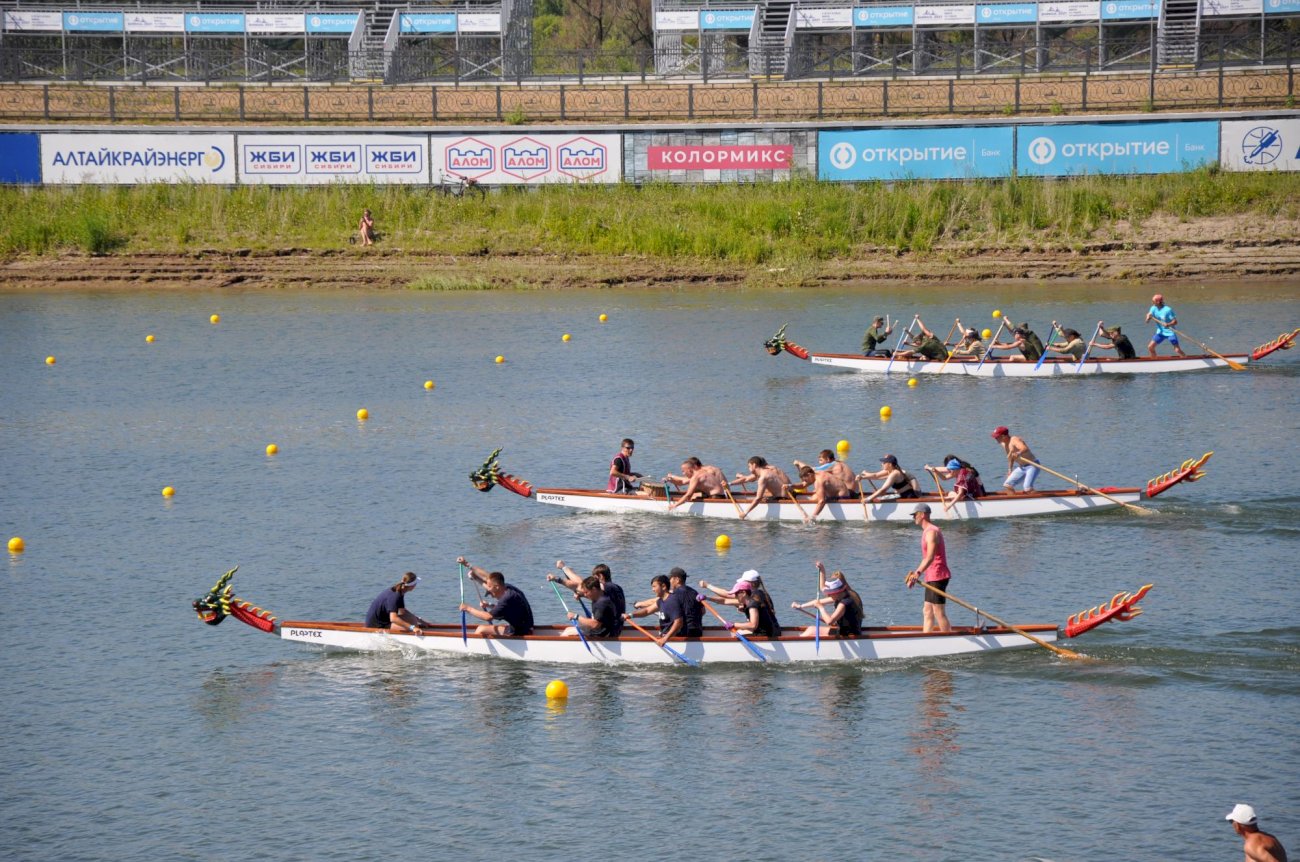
x,y
604,621
511,606
388,610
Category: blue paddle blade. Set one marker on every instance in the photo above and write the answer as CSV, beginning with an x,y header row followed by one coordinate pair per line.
x,y
681,658
464,630
749,646
818,623
577,627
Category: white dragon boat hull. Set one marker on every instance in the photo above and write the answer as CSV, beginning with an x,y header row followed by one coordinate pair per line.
x,y
716,647
997,505
1001,367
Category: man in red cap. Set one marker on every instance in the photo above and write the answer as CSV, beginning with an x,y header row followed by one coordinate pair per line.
x,y
1165,321
1017,454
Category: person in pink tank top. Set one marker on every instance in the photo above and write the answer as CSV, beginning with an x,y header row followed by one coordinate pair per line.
x,y
934,568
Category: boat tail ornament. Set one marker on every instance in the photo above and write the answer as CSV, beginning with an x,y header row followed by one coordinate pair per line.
x,y
777,343
490,474
1189,471
1122,607
1283,342
221,602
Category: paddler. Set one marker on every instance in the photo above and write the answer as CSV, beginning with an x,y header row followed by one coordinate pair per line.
x,y
825,487
933,568
827,463
1023,339
669,611
896,481
605,621
926,344
839,607
1071,344
571,580
511,606
970,344
1118,342
1016,449
875,336
748,597
388,610
770,482
621,478
1165,320
700,480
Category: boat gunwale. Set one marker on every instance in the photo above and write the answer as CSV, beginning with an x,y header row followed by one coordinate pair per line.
x,y
1008,360
992,496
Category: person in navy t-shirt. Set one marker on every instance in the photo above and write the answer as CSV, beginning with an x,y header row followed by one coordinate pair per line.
x,y
388,610
600,570
604,621
511,606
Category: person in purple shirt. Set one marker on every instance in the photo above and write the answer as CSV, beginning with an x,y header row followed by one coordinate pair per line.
x,y
388,610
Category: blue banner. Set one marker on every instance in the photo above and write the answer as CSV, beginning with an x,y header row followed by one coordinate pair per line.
x,y
430,22
1006,13
332,23
1116,148
20,159
932,154
1281,7
726,19
882,16
93,22
214,22
1127,10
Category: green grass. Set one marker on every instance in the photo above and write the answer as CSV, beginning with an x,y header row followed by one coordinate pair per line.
x,y
769,224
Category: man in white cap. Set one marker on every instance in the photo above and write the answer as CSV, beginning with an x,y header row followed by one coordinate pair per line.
x,y
933,568
1260,846
1165,321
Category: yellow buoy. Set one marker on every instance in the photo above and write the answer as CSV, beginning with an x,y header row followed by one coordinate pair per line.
x,y
886,412
722,542
271,448
216,318
49,360
148,339
996,314
843,447
500,359
557,689
363,414
16,545
912,382
986,333
604,317
428,384
566,337
169,491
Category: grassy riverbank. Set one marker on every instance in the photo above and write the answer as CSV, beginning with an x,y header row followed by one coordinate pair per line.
x,y
779,224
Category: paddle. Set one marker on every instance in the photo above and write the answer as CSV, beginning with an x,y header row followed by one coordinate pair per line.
x,y
665,647
899,345
726,487
735,634
576,624
1064,653
818,629
862,495
1235,366
1141,510
790,494
464,629
943,498
1049,341
955,326
1088,349
1002,322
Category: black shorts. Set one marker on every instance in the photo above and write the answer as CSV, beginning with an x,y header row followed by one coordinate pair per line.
x,y
934,598
907,494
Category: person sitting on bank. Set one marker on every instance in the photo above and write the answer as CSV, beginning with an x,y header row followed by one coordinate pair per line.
x,y
701,480
511,606
827,463
388,610
752,601
896,481
605,621
825,487
1023,339
366,228
924,344
571,580
875,336
966,479
770,483
839,607
1118,342
970,345
1071,344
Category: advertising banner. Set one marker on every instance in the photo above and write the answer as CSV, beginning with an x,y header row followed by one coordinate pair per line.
x,y
932,154
263,22
726,19
992,14
727,157
677,20
214,22
823,19
20,159
1116,148
1231,7
944,15
1126,10
332,24
428,22
155,22
1281,7
21,21
1088,10
479,22
527,159
126,159
882,16
1260,145
295,160
92,22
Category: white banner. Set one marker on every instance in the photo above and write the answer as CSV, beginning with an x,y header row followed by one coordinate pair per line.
x,y
34,21
821,19
293,160
155,22
677,20
1260,145
1072,11
944,15
1232,7
261,22
523,159
479,22
128,159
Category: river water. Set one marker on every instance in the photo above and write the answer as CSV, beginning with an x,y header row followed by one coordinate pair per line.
x,y
130,731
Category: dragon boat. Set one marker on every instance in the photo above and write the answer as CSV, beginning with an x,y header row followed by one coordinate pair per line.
x,y
716,646
1005,366
655,498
